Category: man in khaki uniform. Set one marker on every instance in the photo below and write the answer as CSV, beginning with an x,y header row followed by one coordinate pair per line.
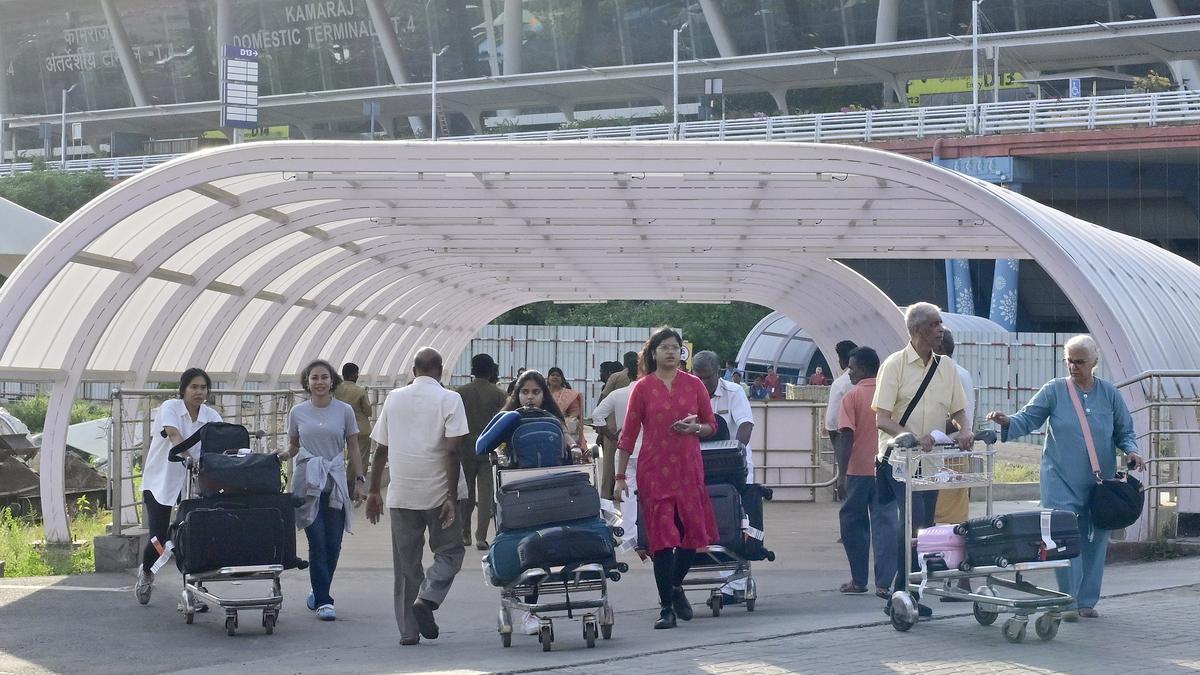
x,y
482,400
608,445
359,399
896,386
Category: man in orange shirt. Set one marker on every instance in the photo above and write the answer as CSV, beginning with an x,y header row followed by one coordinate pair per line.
x,y
865,521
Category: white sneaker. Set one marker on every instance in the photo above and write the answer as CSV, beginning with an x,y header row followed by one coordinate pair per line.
x,y
143,587
530,624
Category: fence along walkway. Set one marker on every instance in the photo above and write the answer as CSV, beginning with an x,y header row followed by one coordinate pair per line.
x,y
1130,110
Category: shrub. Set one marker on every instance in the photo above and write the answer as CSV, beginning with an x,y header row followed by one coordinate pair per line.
x,y
32,411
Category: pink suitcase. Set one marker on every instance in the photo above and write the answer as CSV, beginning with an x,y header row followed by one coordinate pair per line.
x,y
940,539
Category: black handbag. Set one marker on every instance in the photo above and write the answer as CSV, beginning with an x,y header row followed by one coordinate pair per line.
x,y
884,479
1116,502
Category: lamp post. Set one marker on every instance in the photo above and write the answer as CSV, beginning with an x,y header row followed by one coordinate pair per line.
x,y
63,121
433,121
975,65
675,79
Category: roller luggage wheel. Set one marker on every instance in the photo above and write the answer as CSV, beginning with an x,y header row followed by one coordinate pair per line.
x,y
1014,630
590,633
985,614
546,637
1046,626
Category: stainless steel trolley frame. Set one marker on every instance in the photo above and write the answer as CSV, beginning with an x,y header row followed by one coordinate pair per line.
x,y
583,589
706,572
911,466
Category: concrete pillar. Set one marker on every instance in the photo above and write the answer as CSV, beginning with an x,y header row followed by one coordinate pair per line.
x,y
1184,72
887,23
780,96
129,65
391,53
475,117
715,19
514,24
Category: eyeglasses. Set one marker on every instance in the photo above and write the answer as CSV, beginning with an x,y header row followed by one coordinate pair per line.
x,y
667,347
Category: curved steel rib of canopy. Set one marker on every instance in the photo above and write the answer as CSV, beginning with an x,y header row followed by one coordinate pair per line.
x,y
250,260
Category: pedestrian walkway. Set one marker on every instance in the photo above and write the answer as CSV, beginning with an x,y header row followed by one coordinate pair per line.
x,y
801,624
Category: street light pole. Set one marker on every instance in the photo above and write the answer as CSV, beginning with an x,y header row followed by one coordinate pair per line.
x,y
63,122
975,63
675,79
433,120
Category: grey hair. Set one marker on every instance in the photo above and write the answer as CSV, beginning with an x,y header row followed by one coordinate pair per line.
x,y
1086,343
919,313
706,358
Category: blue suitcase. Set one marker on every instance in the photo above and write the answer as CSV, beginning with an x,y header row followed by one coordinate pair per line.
x,y
504,556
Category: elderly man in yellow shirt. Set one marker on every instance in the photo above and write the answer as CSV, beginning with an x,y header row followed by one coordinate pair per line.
x,y
896,386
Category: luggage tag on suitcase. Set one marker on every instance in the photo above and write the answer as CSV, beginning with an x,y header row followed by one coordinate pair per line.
x,y
1047,541
166,553
610,512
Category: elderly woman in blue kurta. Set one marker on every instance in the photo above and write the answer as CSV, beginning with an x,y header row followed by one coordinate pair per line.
x,y
1067,479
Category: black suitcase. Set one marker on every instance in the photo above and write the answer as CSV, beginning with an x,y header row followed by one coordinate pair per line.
x,y
727,507
212,437
217,539
753,496
582,542
724,463
253,474
1020,537
545,500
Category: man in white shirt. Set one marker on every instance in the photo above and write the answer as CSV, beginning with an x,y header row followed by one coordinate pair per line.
x,y
420,428
837,391
608,418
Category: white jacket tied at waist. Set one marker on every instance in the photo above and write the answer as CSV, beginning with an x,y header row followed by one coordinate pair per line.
x,y
308,482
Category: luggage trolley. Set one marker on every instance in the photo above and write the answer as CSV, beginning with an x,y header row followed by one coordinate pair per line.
x,y
577,592
911,466
196,595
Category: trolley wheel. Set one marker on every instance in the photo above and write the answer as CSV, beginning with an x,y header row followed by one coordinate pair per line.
x,y
998,522
589,633
189,617
618,531
268,621
606,631
1001,561
903,611
506,639
750,604
714,603
985,614
545,637
231,624
1014,630
1046,626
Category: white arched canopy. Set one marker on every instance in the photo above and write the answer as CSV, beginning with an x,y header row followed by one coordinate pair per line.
x,y
251,259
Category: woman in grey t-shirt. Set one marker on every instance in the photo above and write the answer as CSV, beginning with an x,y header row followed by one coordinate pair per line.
x,y
320,431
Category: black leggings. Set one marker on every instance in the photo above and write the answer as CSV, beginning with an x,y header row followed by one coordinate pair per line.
x,y
158,521
671,565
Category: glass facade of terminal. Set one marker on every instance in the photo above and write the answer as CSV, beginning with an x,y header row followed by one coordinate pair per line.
x,y
50,45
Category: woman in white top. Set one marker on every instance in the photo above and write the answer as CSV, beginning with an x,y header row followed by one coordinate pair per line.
x,y
162,480
322,434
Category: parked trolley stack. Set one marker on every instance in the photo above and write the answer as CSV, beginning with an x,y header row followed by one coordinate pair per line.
x,y
738,508
988,548
553,554
235,525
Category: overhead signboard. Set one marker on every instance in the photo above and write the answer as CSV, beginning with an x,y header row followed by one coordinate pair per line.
x,y
239,93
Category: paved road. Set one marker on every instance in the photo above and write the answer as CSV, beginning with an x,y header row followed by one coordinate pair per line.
x,y
90,624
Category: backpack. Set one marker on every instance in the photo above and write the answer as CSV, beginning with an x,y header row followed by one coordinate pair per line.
x,y
537,441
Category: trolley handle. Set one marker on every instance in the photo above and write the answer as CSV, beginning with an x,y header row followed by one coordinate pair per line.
x,y
908,440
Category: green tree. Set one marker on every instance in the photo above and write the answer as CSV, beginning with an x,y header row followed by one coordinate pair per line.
x,y
721,328
52,193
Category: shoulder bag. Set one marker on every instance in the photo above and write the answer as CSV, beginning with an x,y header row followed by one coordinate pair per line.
x,y
1115,502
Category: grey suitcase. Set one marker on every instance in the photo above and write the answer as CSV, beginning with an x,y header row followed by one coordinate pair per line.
x,y
546,500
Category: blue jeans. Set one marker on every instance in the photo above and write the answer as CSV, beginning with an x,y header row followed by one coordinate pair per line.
x,y
324,548
867,523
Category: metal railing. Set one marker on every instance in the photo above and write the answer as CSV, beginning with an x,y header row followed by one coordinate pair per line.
x,y
1125,110
1170,406
264,413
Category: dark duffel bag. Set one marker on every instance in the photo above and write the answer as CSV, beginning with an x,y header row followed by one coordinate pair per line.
x,y
753,496
724,463
575,544
213,437
203,548
727,507
545,500
504,564
252,474
1025,536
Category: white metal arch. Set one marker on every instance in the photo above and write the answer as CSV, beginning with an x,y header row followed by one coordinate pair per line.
x,y
464,232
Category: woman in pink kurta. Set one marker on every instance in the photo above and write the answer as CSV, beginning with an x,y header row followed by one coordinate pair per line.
x,y
671,410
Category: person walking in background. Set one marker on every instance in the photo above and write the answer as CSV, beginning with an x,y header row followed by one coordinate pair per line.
x,y
570,402
617,381
841,385
481,400
670,410
899,410
320,430
359,400
163,481
419,431
1066,474
866,522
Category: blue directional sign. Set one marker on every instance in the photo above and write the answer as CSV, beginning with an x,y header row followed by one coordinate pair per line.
x,y
239,94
